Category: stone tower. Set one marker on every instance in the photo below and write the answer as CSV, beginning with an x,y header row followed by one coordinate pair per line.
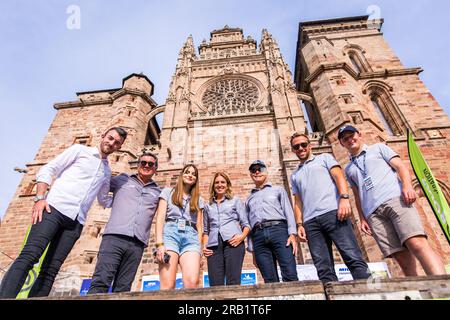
x,y
346,73
83,121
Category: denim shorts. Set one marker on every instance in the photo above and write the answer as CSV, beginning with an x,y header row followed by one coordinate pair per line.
x,y
180,241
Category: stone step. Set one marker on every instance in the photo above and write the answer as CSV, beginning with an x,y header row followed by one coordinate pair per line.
x,y
432,287
409,288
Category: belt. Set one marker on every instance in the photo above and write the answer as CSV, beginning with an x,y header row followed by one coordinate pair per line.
x,y
269,223
188,223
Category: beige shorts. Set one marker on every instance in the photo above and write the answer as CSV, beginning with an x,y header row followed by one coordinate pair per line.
x,y
393,223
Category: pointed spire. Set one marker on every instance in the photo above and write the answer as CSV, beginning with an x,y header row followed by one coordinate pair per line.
x,y
188,47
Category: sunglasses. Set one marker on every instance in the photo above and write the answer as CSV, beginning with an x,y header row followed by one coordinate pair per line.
x,y
145,163
297,146
256,169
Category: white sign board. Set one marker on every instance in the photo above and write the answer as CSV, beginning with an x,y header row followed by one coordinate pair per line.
x,y
309,272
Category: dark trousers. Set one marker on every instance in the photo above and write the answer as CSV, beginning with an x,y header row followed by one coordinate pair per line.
x,y
269,246
58,230
118,260
321,232
225,263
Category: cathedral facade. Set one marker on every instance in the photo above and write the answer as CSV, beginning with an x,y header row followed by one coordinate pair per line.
x,y
233,101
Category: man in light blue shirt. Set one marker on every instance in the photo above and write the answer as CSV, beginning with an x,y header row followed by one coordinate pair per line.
x,y
58,217
384,196
273,232
322,210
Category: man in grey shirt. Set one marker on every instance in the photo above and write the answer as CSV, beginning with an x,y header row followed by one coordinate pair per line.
x,y
273,235
322,209
134,202
384,196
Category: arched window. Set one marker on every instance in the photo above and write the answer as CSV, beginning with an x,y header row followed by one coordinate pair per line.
x,y
312,117
154,126
356,56
380,114
355,63
389,114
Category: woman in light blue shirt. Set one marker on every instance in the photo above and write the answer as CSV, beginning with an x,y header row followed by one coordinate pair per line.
x,y
225,226
179,229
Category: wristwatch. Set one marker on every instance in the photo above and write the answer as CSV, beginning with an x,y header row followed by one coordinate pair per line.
x,y
345,196
38,198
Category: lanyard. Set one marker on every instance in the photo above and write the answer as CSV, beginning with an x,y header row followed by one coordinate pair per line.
x,y
363,171
186,203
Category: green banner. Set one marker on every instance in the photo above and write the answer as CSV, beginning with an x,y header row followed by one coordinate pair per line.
x,y
33,274
429,185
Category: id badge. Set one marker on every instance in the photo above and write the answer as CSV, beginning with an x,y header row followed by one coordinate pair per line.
x,y
181,224
368,183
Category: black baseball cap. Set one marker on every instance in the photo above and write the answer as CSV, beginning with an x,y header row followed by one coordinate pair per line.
x,y
345,129
257,163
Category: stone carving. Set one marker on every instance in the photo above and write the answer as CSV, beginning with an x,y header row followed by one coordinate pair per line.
x,y
356,117
228,69
171,98
230,95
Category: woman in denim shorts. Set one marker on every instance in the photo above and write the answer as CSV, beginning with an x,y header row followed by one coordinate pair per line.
x,y
179,229
225,226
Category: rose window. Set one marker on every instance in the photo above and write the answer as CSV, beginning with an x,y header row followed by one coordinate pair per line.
x,y
230,95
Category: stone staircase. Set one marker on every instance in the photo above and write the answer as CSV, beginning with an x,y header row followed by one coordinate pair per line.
x,y
409,288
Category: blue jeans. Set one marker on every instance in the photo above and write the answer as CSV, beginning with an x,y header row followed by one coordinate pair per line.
x,y
321,231
269,246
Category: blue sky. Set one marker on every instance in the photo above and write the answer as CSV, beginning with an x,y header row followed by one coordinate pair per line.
x,y
43,62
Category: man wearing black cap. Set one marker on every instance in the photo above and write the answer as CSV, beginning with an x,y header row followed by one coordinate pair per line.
x,y
273,235
384,196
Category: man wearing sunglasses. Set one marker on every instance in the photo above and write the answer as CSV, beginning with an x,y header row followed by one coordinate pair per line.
x,y
134,202
322,209
384,196
273,235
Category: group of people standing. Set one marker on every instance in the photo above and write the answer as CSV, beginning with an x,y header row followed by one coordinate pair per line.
x,y
187,227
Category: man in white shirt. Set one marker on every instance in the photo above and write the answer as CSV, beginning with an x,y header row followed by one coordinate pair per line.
x,y
59,216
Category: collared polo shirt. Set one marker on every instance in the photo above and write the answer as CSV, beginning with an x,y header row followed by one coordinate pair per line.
x,y
374,160
174,211
313,182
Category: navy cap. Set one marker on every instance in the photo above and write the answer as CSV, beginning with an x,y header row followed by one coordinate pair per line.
x,y
345,129
257,163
